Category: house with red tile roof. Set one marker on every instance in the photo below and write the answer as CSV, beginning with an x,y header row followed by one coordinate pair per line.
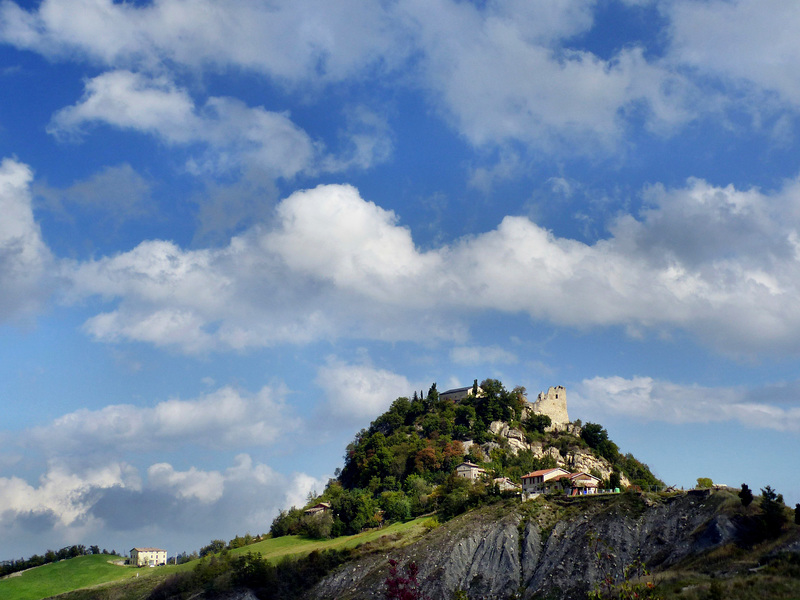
x,y
542,481
546,481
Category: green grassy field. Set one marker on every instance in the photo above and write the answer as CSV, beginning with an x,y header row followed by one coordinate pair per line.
x,y
67,575
90,571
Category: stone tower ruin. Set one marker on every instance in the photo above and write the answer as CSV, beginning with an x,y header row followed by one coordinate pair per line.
x,y
554,405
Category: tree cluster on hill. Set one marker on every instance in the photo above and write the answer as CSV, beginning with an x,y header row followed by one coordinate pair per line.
x,y
219,574
772,514
217,546
14,566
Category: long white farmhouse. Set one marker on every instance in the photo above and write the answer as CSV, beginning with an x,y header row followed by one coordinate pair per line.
x,y
150,557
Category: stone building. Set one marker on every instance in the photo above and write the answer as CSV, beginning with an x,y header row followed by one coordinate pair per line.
x,y
470,471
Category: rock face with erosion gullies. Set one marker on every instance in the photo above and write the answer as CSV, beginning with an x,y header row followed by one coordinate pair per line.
x,y
544,548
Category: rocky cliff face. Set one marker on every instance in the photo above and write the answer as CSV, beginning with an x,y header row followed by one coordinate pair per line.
x,y
542,549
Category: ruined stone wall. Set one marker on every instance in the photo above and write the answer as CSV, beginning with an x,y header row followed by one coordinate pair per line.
x,y
554,405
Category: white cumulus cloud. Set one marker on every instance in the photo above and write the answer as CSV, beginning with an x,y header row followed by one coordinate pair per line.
x,y
26,266
225,418
233,132
360,391
718,262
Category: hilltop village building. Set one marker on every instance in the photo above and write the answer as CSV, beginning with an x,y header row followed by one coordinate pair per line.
x,y
458,394
150,557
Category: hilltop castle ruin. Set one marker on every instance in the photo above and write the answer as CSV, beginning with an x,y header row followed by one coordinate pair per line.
x,y
553,404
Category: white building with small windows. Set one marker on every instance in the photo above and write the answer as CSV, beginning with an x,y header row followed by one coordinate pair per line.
x,y
148,557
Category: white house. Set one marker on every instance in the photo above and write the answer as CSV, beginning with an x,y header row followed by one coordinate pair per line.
x,y
583,483
470,471
150,557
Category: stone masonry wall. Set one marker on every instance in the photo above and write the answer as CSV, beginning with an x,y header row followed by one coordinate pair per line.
x,y
554,405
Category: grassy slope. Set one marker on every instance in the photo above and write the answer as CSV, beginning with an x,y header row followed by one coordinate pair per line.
x,y
294,545
90,571
66,575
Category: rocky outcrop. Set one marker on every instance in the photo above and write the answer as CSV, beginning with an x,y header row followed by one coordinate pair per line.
x,y
576,460
514,437
545,549
583,461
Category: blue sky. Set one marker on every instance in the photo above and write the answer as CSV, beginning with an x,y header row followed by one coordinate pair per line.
x,y
232,232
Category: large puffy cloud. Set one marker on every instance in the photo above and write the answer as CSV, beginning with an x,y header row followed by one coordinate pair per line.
x,y
718,262
226,418
649,399
62,493
334,264
25,261
360,391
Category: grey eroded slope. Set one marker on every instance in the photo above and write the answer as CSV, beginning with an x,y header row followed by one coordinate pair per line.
x,y
544,549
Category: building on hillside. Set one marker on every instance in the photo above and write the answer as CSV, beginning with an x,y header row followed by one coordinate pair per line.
x,y
583,483
150,557
458,394
506,485
542,481
470,471
548,481
318,509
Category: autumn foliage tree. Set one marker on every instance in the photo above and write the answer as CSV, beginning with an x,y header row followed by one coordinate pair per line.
x,y
403,586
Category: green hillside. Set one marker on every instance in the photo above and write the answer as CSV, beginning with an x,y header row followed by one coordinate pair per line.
x,y
274,549
76,575
66,575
